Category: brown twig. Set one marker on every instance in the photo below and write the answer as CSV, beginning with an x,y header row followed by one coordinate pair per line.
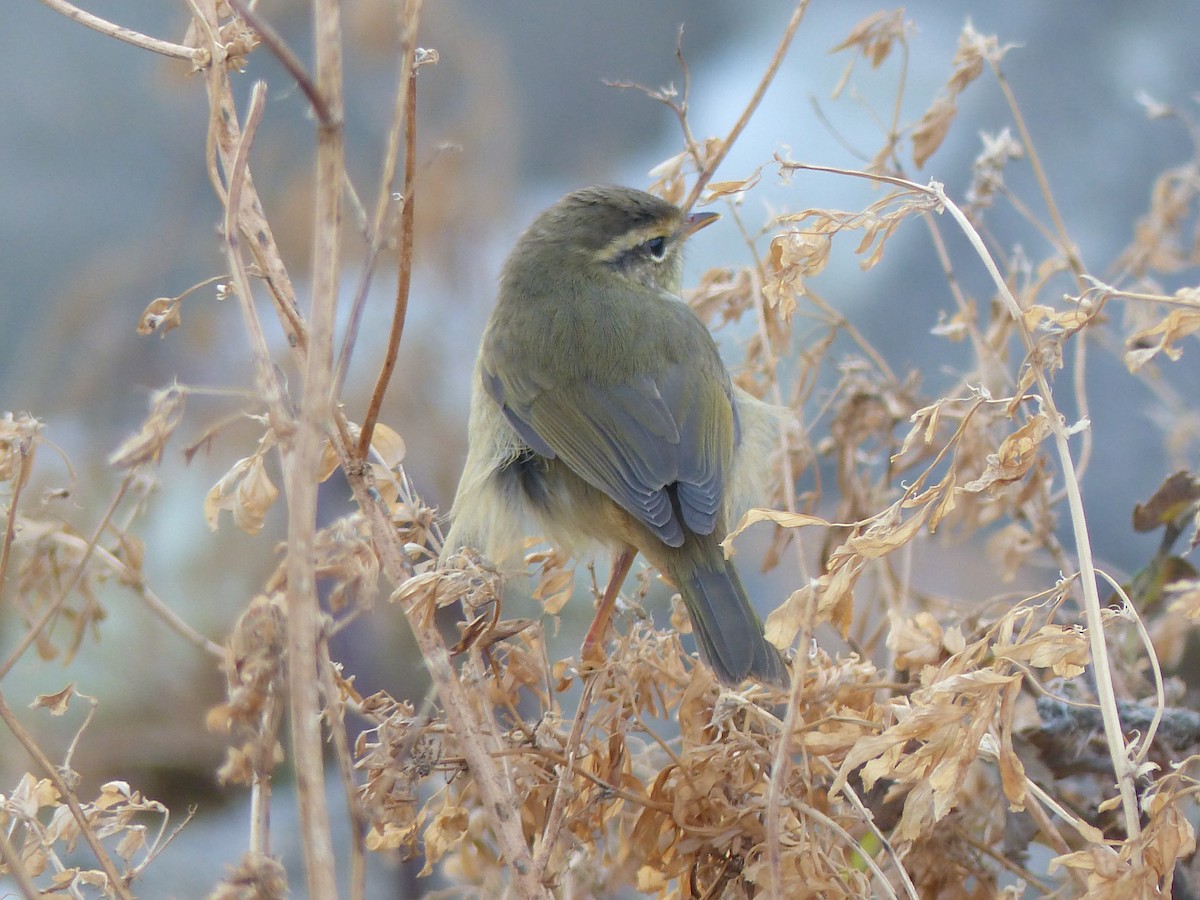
x,y
335,713
128,35
288,59
222,145
265,374
404,271
552,831
157,606
707,172
378,227
1064,241
302,456
14,866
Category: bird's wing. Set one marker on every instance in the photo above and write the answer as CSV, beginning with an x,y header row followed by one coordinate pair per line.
x,y
634,439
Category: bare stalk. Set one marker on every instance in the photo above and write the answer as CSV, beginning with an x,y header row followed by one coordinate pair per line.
x,y
1093,613
128,35
404,271
302,460
706,173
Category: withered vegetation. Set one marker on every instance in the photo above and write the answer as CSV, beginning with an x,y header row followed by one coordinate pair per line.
x,y
1027,740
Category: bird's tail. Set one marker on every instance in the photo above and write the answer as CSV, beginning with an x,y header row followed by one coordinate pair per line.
x,y
728,630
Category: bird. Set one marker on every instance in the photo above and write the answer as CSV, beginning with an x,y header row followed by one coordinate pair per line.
x,y
602,412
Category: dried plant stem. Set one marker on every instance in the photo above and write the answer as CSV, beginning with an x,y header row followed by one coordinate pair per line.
x,y
154,603
548,840
14,867
260,813
1130,613
345,759
1087,439
246,218
781,763
287,58
378,228
265,738
302,457
404,269
10,519
1105,693
707,172
166,48
806,811
1035,162
869,820
67,793
983,352
265,375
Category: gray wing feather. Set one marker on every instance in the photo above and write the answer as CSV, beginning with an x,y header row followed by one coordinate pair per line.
x,y
633,441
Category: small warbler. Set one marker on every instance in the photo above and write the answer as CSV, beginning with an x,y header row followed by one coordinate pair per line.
x,y
601,411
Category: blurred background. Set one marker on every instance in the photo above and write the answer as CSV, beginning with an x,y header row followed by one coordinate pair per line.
x,y
106,205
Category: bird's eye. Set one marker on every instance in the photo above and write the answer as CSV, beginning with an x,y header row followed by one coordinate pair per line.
x,y
656,247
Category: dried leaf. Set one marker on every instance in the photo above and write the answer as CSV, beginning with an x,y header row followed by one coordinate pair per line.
x,y
717,189
874,36
388,444
162,315
1163,338
785,621
166,412
445,830
1015,456
57,703
245,490
1062,648
931,130
779,517
1174,500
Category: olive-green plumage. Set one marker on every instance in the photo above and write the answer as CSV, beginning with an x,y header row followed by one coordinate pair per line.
x,y
601,407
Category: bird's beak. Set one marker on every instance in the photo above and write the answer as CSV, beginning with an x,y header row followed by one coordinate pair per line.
x,y
696,221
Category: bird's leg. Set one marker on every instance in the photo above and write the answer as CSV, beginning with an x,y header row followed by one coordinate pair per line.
x,y
591,653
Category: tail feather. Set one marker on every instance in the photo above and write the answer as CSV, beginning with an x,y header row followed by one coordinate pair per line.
x,y
728,631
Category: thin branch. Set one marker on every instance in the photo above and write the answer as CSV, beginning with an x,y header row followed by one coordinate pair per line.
x,y
886,889
1065,244
157,605
16,868
128,35
404,268
1122,768
336,718
781,762
552,830
265,374
379,226
222,146
707,172
288,59
302,457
